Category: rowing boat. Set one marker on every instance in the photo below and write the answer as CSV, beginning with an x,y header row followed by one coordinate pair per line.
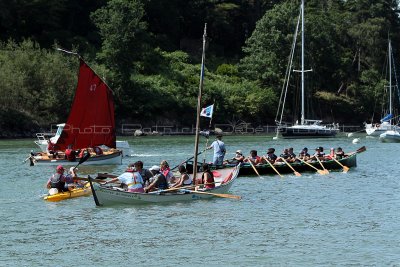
x,y
109,195
76,192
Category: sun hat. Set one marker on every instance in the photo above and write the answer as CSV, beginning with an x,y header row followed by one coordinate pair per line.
x,y
239,152
154,168
60,168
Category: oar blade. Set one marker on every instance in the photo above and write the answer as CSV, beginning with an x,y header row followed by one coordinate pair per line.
x,y
321,172
297,173
346,169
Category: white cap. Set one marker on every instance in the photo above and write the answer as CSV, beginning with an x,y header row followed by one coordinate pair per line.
x,y
155,168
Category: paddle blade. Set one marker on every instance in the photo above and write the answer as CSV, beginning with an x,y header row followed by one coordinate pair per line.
x,y
346,169
326,171
361,149
321,172
297,174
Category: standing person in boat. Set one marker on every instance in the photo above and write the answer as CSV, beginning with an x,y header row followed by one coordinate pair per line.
x,y
237,159
271,157
339,153
159,181
184,180
219,150
165,169
207,178
145,173
253,158
57,180
131,179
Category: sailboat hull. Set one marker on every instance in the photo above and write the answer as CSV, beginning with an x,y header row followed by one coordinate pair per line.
x,y
104,159
307,132
390,137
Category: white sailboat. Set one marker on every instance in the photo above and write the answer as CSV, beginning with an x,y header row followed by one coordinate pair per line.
x,y
307,128
385,130
391,134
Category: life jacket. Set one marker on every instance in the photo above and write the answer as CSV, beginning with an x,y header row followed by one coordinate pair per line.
x,y
209,182
70,154
58,181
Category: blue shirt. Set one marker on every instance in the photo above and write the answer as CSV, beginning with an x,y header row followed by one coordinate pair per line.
x,y
219,148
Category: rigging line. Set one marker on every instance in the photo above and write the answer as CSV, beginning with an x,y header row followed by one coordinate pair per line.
x,y
285,86
395,76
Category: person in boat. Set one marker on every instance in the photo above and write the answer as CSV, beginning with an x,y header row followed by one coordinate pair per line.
x,y
51,149
331,154
166,170
292,155
145,173
158,182
207,178
319,153
237,159
253,158
98,150
70,179
70,154
304,154
285,155
271,157
219,150
339,153
184,180
131,179
58,180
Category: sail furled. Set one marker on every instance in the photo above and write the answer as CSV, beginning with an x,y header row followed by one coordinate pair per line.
x,y
91,119
387,117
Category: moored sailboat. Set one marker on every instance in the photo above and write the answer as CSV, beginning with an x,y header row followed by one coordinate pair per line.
x,y
307,128
90,125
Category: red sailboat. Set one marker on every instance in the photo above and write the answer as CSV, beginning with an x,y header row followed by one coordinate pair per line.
x,y
90,127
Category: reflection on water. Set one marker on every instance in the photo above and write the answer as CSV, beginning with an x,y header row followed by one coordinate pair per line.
x,y
336,219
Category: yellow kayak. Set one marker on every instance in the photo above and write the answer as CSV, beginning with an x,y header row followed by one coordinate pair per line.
x,y
76,192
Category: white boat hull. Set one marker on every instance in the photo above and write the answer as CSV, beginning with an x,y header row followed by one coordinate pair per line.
x,y
114,158
111,196
390,137
373,130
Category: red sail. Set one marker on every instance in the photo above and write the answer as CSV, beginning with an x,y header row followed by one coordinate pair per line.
x,y
91,119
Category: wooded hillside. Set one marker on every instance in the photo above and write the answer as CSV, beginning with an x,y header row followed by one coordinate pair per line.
x,y
149,53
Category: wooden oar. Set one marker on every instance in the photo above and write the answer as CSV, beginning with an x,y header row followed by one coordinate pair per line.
x,y
96,201
87,179
325,170
318,170
214,194
345,168
254,168
361,149
290,166
272,166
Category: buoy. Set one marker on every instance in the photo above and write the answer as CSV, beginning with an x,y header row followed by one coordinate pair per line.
x,y
356,140
350,134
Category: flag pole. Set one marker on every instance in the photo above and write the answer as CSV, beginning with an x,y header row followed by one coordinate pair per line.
x,y
196,144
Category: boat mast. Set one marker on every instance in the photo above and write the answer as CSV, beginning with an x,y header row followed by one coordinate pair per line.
x,y
196,143
390,80
302,62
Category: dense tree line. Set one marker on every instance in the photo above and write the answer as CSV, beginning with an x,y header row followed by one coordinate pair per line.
x,y
149,53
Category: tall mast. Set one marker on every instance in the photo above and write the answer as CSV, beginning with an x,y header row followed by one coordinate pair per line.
x,y
302,62
196,143
390,80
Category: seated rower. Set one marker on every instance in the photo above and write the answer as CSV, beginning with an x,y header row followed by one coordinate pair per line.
x,y
304,154
131,179
158,182
319,153
285,155
270,157
339,153
237,159
184,180
253,158
207,178
292,155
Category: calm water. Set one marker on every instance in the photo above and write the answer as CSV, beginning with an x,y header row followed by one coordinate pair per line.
x,y
338,219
